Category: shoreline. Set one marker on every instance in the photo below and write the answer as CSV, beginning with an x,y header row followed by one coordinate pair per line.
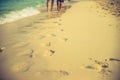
x,y
24,13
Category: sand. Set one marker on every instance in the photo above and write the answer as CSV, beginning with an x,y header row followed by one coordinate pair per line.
x,y
81,44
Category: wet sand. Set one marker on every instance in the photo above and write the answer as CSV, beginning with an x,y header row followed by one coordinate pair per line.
x,y
81,44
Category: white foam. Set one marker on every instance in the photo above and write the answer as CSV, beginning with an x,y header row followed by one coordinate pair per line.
x,y
15,15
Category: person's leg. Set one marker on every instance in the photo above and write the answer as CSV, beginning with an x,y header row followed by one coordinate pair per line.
x,y
48,5
58,5
61,3
52,4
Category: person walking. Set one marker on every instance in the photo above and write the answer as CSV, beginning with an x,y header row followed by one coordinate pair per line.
x,y
50,4
59,5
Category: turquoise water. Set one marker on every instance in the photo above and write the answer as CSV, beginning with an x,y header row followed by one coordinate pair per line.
x,y
7,6
11,10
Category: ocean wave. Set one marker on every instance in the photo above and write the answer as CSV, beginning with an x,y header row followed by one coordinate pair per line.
x,y
16,15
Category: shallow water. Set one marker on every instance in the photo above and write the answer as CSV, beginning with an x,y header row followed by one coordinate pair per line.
x,y
11,5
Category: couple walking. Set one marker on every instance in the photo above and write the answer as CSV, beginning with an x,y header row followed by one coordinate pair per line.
x,y
50,4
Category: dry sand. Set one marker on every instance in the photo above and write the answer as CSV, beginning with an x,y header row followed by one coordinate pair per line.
x,y
81,44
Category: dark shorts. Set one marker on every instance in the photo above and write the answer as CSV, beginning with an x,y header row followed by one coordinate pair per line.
x,y
61,0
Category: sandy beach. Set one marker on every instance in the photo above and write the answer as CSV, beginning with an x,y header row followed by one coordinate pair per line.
x,y
81,44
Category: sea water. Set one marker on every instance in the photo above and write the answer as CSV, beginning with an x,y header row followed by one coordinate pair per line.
x,y
11,10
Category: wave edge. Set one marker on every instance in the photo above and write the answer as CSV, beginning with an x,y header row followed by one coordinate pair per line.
x,y
16,15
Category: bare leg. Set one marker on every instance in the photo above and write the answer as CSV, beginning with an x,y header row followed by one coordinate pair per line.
x,y
58,6
61,3
52,5
48,5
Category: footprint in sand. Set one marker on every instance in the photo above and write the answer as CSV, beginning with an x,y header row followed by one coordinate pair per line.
x,y
55,22
53,35
66,7
59,24
101,67
39,21
87,67
20,44
47,44
42,37
53,74
65,73
21,67
2,49
61,30
61,39
49,52
29,25
28,53
65,39
60,19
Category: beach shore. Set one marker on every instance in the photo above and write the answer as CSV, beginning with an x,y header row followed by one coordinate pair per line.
x,y
81,44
